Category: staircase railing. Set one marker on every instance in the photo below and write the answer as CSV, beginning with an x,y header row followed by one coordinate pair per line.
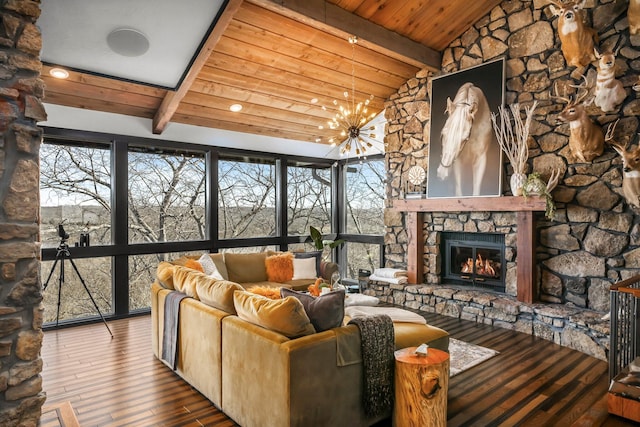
x,y
625,324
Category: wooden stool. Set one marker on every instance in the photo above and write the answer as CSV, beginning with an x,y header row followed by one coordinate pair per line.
x,y
421,384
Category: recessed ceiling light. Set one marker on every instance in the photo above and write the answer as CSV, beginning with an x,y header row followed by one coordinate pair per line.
x,y
235,108
314,100
128,42
59,73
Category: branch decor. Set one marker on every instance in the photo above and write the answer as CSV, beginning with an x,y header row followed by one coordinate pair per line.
x,y
512,135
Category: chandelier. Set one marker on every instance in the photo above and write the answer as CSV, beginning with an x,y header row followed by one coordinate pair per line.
x,y
353,130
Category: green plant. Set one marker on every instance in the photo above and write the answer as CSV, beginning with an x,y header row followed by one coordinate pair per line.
x,y
535,186
319,243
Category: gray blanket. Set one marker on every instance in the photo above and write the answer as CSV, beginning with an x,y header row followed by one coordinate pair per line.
x,y
378,338
170,333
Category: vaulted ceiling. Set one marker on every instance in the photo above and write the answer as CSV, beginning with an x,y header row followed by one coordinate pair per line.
x,y
271,56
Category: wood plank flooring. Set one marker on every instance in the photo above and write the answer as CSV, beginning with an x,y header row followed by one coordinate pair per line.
x,y
118,382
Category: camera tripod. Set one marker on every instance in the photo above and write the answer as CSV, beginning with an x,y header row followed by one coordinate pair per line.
x,y
62,253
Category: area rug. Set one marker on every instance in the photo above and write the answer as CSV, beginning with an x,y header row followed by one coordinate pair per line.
x,y
464,355
58,414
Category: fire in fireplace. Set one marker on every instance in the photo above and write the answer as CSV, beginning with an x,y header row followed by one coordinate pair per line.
x,y
473,259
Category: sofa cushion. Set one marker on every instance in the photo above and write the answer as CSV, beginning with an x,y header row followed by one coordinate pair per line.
x,y
246,267
164,274
184,280
304,268
217,293
317,255
285,316
325,312
279,267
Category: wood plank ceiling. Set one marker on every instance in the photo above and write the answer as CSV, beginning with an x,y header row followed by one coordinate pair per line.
x,y
275,59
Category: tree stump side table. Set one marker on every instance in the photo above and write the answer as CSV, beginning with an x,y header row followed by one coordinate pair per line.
x,y
421,384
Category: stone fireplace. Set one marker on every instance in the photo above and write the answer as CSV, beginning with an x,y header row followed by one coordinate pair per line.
x,y
473,259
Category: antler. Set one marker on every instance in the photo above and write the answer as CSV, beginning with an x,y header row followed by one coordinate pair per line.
x,y
610,130
582,87
556,96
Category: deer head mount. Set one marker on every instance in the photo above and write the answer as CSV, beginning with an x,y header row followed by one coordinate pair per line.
x,y
576,38
630,166
609,92
586,139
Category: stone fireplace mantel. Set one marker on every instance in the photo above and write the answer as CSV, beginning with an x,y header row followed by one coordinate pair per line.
x,y
526,238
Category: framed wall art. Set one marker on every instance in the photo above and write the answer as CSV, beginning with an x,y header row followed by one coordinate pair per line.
x,y
465,159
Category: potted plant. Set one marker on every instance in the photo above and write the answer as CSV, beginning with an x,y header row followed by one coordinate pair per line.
x,y
535,186
319,242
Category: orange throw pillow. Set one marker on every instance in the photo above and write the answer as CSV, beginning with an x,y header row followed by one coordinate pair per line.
x,y
279,267
266,291
194,265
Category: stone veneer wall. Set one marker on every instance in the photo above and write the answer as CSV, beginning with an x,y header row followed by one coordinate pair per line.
x,y
594,239
21,91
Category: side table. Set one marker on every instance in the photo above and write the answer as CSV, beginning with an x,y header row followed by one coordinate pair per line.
x,y
421,384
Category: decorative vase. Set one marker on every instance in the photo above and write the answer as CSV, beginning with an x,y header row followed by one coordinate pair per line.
x,y
517,182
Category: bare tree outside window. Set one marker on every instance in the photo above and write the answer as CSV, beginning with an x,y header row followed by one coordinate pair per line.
x,y
166,197
246,199
75,189
309,199
364,193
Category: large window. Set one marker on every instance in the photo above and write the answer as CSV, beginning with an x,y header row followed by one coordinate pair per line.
x,y
75,299
363,216
75,190
364,192
145,201
166,197
246,198
308,199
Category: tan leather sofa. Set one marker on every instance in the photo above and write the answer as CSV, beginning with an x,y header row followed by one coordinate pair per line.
x,y
259,377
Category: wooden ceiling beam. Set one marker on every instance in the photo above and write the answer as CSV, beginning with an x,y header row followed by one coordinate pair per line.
x,y
172,99
328,17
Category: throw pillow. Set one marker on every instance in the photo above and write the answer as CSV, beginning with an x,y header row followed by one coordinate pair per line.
x,y
217,293
285,316
209,267
304,268
317,255
325,312
246,267
266,291
279,267
194,265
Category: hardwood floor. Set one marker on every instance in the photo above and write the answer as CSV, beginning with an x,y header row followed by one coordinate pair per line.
x,y
118,382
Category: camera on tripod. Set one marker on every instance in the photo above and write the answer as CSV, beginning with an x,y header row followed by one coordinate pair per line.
x,y
63,234
84,237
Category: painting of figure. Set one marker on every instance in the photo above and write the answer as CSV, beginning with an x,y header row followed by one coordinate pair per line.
x,y
465,159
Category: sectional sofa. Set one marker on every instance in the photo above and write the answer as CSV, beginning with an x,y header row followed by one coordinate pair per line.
x,y
254,372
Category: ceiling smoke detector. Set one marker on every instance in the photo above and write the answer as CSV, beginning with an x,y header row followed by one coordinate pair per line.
x,y
128,42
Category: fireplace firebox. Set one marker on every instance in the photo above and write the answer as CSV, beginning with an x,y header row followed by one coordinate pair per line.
x,y
473,259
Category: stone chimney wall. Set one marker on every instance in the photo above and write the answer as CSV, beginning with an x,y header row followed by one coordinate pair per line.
x,y
594,239
21,92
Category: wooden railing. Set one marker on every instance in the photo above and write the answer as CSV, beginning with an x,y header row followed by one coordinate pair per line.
x,y
526,236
